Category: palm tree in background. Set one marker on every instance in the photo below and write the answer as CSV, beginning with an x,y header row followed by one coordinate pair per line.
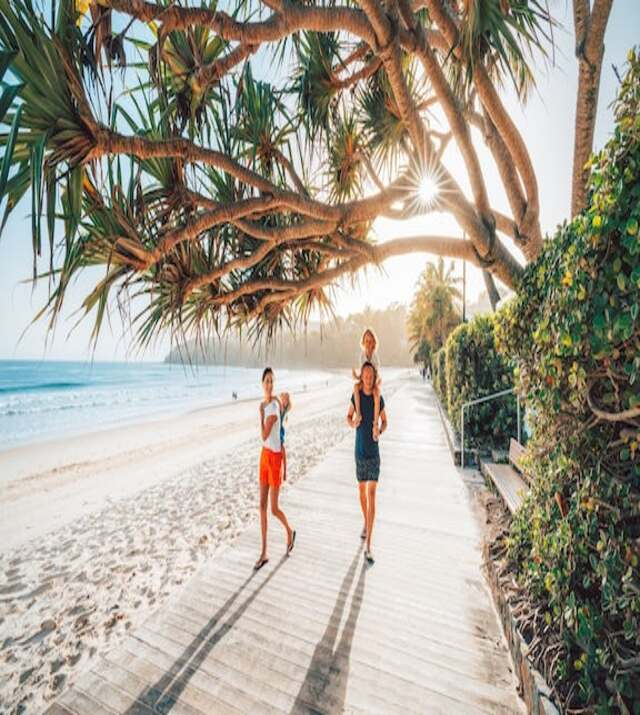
x,y
210,198
435,310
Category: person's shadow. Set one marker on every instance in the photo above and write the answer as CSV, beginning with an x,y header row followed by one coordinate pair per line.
x,y
325,685
163,694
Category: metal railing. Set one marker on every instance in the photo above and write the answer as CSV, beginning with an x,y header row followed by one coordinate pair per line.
x,y
493,396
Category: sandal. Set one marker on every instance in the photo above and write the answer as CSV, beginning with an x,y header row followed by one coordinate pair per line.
x,y
369,557
293,542
260,563
363,533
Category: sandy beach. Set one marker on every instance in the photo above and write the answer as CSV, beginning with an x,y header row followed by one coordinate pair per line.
x,y
97,530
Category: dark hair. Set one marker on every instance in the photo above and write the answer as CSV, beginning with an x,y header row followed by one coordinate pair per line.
x,y
265,372
367,363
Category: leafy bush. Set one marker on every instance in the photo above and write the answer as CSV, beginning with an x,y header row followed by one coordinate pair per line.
x,y
435,373
439,377
574,332
474,369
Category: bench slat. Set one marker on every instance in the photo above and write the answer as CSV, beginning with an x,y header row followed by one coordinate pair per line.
x,y
516,451
510,485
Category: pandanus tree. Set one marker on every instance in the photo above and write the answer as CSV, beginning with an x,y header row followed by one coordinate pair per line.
x,y
212,198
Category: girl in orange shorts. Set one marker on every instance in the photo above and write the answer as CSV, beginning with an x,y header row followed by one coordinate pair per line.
x,y
270,465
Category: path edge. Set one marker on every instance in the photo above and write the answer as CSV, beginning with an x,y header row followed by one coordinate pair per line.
x,y
534,689
452,438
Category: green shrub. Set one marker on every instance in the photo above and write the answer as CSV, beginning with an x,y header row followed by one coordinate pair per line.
x,y
474,369
440,377
574,332
435,373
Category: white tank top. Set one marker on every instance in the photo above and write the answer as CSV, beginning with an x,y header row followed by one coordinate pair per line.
x,y
273,440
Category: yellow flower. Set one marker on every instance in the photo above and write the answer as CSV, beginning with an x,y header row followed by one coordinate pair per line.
x,y
597,221
567,280
582,293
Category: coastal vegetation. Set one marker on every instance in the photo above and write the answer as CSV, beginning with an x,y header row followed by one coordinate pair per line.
x,y
467,367
210,198
574,335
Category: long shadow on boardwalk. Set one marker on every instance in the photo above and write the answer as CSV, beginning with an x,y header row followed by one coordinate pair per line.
x,y
163,695
324,688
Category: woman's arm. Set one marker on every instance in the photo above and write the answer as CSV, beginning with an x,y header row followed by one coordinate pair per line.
x,y
350,414
383,420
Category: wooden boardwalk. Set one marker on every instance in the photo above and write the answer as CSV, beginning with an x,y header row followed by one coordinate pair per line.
x,y
321,632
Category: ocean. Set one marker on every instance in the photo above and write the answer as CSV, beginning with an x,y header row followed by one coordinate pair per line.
x,y
44,399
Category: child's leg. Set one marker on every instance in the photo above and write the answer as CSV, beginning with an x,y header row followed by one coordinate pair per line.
x,y
376,412
356,401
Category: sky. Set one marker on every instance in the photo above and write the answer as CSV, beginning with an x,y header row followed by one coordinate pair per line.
x,y
546,123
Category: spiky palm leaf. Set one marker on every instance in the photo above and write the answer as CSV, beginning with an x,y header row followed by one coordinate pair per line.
x,y
177,61
502,35
381,117
313,82
49,120
263,126
345,164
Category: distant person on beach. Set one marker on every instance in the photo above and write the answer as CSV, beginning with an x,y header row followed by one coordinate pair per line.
x,y
271,465
368,353
367,451
285,408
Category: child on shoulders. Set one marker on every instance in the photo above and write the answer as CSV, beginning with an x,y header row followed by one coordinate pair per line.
x,y
368,353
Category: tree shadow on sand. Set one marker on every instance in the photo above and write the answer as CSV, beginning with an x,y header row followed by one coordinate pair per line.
x,y
324,688
164,694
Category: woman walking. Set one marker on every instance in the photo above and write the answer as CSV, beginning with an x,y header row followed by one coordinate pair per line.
x,y
270,465
367,451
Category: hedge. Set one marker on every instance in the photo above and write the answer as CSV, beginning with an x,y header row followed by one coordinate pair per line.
x,y
474,369
574,332
439,378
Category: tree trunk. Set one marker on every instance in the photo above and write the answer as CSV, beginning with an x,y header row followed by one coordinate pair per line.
x,y
590,29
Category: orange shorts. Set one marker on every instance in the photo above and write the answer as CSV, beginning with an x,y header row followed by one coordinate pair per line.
x,y
270,463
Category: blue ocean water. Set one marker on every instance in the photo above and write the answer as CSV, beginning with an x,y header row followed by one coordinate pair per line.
x,y
40,400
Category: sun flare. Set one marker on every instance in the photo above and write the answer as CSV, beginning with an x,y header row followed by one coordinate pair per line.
x,y
428,189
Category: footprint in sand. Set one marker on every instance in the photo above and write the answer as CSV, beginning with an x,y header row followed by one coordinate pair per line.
x,y
12,588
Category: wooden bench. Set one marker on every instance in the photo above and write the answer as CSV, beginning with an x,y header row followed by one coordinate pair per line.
x,y
516,452
508,479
